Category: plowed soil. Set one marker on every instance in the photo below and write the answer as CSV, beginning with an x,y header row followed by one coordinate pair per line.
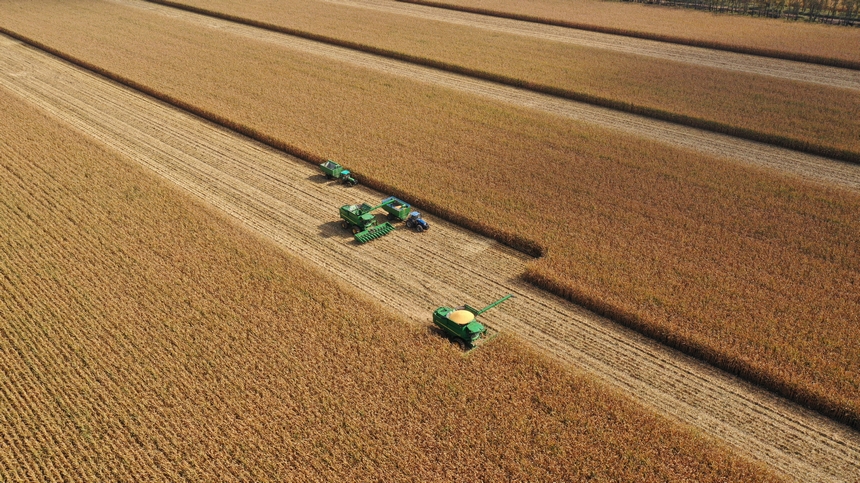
x,y
291,203
805,165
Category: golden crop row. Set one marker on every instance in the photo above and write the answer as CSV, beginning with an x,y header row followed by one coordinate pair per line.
x,y
743,34
144,337
737,265
817,118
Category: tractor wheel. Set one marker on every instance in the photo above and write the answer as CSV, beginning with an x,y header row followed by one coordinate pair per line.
x,y
419,228
410,224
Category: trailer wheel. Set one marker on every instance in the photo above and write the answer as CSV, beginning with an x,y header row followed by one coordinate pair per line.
x,y
461,344
344,225
355,230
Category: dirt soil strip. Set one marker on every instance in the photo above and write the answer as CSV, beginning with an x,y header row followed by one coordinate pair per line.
x,y
290,202
784,69
786,160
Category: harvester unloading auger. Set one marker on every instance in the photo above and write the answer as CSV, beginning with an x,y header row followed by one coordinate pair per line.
x,y
362,221
461,325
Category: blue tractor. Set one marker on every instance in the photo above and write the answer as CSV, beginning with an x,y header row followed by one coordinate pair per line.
x,y
415,221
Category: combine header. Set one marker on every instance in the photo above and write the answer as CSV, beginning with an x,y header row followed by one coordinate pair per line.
x,y
461,326
362,221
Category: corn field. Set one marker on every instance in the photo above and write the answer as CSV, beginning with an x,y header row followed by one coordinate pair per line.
x,y
800,41
733,264
144,336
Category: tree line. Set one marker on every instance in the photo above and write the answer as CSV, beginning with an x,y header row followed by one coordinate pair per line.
x,y
837,12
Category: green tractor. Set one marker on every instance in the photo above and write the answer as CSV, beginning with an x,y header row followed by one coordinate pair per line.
x,y
461,326
332,170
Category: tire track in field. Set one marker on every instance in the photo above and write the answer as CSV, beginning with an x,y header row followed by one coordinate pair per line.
x,y
725,146
289,202
750,64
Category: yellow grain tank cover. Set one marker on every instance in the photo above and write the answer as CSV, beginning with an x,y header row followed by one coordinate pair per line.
x,y
461,317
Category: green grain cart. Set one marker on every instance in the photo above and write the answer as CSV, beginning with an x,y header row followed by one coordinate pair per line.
x,y
461,325
332,170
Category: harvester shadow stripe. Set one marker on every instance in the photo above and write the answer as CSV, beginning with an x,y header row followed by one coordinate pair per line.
x,y
775,54
621,106
515,241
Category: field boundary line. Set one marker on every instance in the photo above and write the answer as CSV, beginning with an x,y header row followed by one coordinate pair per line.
x,y
511,240
615,314
671,39
621,106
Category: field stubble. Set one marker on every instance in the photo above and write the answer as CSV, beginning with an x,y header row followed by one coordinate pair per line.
x,y
145,337
807,166
711,257
787,112
776,37
290,203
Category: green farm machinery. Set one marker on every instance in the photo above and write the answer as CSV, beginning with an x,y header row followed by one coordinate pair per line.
x,y
460,324
332,170
361,220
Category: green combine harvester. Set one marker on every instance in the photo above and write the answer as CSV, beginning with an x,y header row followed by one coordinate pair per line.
x,y
361,220
461,326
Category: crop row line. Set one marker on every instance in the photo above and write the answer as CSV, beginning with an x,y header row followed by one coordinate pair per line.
x,y
672,39
631,108
514,241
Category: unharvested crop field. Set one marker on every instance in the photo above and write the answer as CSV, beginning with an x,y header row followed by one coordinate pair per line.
x,y
144,336
716,258
781,37
803,113
287,201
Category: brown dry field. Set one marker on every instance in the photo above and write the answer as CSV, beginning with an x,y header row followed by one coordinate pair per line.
x,y
770,34
748,267
812,113
144,336
287,201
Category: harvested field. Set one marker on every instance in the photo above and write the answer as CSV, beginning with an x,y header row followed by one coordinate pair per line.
x,y
144,337
369,16
290,203
812,167
709,256
824,43
704,91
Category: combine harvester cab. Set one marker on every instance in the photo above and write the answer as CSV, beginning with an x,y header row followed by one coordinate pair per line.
x,y
363,223
461,324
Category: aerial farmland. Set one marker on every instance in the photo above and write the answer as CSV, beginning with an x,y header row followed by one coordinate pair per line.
x,y
198,281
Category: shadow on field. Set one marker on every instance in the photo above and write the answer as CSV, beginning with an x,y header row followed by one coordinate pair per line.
x,y
332,229
321,179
